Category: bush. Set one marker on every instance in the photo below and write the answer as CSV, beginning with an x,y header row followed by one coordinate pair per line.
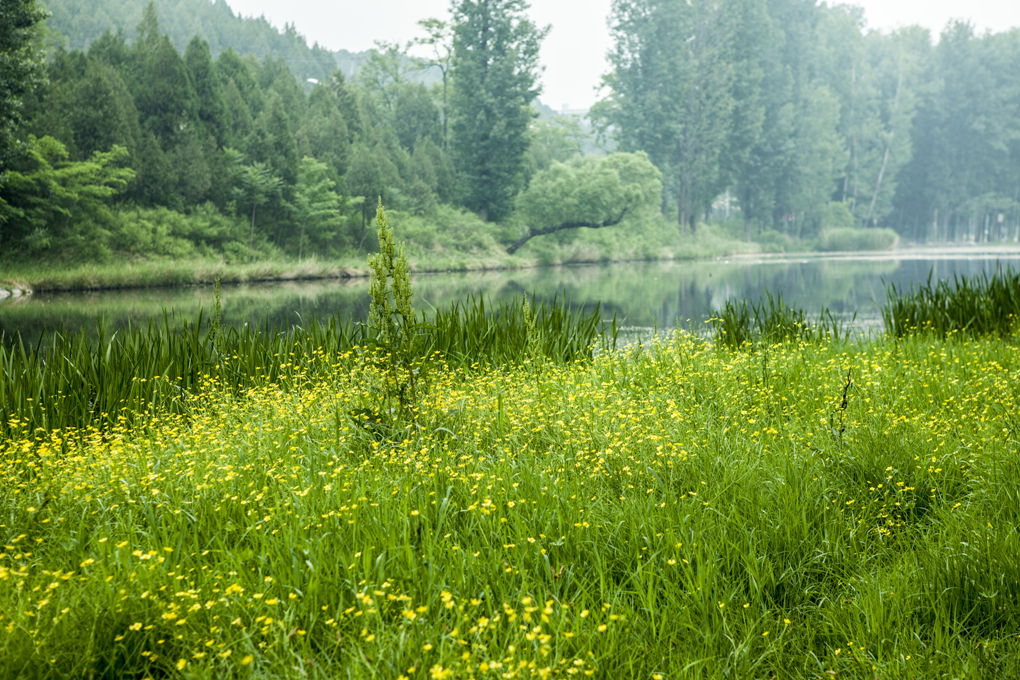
x,y
444,230
777,242
837,215
161,232
854,238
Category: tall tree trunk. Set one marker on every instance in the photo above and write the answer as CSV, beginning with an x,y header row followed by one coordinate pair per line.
x,y
888,149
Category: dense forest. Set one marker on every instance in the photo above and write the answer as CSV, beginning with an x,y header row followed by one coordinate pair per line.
x,y
76,25
793,112
197,132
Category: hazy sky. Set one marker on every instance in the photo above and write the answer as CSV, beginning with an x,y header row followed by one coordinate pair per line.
x,y
574,52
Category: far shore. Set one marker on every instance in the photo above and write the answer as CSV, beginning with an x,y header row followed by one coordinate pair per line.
x,y
174,274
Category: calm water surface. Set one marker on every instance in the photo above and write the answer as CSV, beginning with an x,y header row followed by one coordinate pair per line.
x,y
645,295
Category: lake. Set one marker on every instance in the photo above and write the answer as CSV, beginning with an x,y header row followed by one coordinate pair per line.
x,y
655,295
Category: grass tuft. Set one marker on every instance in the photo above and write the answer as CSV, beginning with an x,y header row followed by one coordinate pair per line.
x,y
984,305
769,321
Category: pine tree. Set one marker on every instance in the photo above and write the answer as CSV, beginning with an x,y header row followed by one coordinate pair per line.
x,y
20,66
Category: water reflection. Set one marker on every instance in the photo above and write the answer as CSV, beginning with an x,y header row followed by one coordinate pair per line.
x,y
649,295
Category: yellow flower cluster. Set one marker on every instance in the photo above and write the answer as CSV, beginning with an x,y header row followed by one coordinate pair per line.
x,y
651,509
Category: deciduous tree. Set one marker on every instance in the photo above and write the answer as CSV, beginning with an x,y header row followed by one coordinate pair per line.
x,y
588,192
495,79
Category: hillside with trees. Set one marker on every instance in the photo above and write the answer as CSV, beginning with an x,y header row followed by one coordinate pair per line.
x,y
78,24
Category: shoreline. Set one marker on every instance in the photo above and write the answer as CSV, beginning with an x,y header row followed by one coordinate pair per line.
x,y
158,274
288,272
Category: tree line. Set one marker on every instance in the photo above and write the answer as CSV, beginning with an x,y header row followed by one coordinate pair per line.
x,y
134,146
794,114
76,25
782,116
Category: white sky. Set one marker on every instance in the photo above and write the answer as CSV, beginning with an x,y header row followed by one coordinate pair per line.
x,y
574,52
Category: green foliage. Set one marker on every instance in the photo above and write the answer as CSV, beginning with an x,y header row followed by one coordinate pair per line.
x,y
447,231
162,88
651,236
779,114
320,211
20,67
215,22
693,506
98,377
472,332
392,321
670,94
371,174
494,80
390,315
986,305
591,189
256,186
790,107
775,241
837,215
588,192
49,203
203,232
848,239
554,141
963,141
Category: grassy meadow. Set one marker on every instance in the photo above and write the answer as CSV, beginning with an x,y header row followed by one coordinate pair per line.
x,y
679,509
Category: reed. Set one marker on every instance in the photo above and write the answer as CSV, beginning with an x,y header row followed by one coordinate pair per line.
x,y
95,377
982,305
772,320
476,331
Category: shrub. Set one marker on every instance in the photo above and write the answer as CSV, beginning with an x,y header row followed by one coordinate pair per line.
x,y
777,242
854,238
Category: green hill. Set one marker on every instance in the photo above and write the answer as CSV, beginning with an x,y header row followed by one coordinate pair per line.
x,y
82,21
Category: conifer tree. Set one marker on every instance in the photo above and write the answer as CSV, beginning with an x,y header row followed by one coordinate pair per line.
x,y
20,65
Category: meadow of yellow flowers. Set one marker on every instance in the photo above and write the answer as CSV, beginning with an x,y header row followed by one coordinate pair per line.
x,y
672,510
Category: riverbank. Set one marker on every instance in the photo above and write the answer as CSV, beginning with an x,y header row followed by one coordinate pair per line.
x,y
903,251
22,280
839,509
591,248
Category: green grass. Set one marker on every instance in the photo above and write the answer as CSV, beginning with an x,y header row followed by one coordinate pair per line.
x,y
172,273
675,510
671,510
97,377
978,306
771,320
